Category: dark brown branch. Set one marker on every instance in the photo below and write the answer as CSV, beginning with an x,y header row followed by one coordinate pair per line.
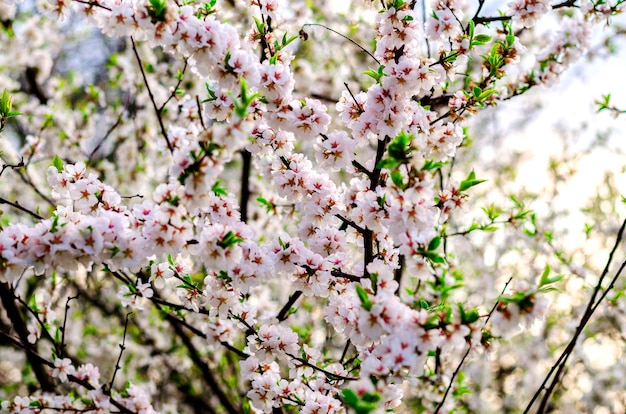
x,y
489,19
173,94
119,357
105,136
361,110
33,86
182,383
43,361
350,223
340,274
207,375
368,235
7,297
361,168
63,327
200,112
592,306
92,4
28,181
284,312
328,374
19,207
245,184
397,276
12,166
482,20
154,105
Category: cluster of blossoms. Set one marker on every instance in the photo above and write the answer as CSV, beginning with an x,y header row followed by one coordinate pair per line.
x,y
336,292
89,398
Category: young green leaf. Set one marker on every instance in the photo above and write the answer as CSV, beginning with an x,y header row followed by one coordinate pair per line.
x,y
546,279
364,298
57,163
470,181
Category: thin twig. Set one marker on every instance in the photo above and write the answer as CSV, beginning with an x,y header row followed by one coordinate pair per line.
x,y
328,374
345,37
284,312
469,348
43,361
93,4
19,207
200,112
122,348
67,309
350,223
345,351
592,305
169,98
12,166
106,135
361,110
207,375
154,105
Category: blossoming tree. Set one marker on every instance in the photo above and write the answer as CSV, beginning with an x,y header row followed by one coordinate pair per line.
x,y
257,206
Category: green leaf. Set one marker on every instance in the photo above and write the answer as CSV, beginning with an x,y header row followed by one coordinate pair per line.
x,y
492,212
268,205
286,40
435,258
5,103
433,165
546,279
431,323
510,40
470,181
468,317
371,398
480,39
388,163
364,298
363,405
349,397
57,163
486,94
55,224
212,95
396,177
377,75
241,106
259,25
229,240
434,243
399,147
157,10
218,189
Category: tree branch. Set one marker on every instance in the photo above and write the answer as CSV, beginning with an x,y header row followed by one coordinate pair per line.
x,y
154,105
